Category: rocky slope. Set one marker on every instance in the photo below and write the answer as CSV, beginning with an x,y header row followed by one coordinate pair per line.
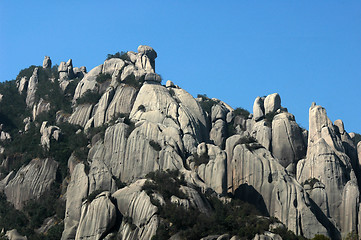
x,y
114,154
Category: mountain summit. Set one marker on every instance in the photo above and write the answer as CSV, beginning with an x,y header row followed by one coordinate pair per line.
x,y
114,154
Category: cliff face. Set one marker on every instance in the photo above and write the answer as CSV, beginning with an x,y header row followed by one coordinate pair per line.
x,y
96,136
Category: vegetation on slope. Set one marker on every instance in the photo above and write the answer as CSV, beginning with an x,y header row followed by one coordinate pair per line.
x,y
234,217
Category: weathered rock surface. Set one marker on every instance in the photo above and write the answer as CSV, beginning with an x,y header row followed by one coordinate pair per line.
x,y
48,132
258,177
76,192
42,106
14,235
122,102
287,141
272,103
81,115
267,236
31,181
263,133
97,218
258,109
180,110
134,203
32,87
23,84
147,151
327,162
47,62
214,172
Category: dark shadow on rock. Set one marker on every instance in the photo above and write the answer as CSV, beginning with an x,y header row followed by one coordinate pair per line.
x,y
333,232
248,193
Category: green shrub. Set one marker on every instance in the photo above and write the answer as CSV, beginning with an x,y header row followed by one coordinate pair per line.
x,y
352,236
103,77
92,196
241,112
156,146
119,183
10,217
206,103
357,138
200,159
320,237
131,81
165,183
311,182
39,209
269,118
121,55
89,97
289,235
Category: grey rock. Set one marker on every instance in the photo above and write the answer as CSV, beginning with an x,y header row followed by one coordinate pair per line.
x,y
42,106
272,103
81,115
122,102
149,51
292,206
48,132
77,190
327,162
136,204
102,106
153,77
97,218
258,109
262,133
214,172
169,84
267,236
31,181
47,62
23,84
287,140
14,235
218,133
32,87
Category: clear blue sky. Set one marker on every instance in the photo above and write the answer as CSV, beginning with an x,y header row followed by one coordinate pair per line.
x,y
232,50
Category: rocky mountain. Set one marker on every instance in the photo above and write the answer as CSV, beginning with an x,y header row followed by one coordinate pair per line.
x,y
114,154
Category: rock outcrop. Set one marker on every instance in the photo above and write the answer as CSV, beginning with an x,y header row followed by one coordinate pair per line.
x,y
287,141
31,181
256,176
76,192
48,133
135,204
47,62
327,163
32,87
97,217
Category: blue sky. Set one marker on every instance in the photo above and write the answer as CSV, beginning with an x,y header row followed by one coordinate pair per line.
x,y
307,51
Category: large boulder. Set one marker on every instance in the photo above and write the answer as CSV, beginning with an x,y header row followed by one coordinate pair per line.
x,y
135,204
97,218
47,62
272,103
213,173
77,191
31,181
81,115
287,141
258,109
42,106
32,87
328,163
